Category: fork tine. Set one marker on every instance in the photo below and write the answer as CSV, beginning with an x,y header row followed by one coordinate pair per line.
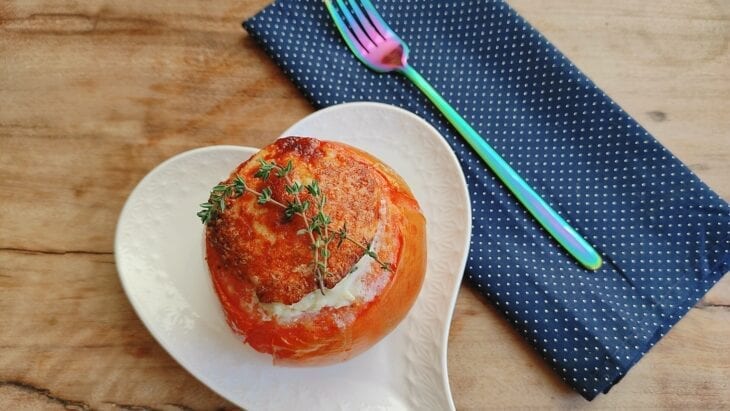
x,y
360,36
374,35
377,20
349,38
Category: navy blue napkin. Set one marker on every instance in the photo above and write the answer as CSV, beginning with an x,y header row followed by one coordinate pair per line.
x,y
663,234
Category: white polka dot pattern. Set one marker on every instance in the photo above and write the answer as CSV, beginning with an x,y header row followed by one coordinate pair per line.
x,y
664,235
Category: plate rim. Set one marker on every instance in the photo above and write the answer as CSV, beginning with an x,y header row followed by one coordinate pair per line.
x,y
252,150
463,185
125,286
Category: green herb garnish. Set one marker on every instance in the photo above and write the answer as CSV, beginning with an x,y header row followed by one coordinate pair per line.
x,y
316,226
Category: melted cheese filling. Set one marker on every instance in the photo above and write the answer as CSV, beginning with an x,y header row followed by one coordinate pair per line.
x,y
345,292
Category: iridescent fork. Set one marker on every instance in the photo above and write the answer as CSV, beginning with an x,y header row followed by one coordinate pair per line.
x,y
380,49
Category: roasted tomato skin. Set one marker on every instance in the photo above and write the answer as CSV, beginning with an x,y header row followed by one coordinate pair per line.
x,y
247,240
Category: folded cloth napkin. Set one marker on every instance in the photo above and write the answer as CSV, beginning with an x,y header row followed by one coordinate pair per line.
x,y
663,234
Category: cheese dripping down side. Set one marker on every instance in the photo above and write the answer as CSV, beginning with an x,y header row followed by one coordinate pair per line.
x,y
345,292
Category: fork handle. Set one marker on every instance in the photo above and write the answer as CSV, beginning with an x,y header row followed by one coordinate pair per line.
x,y
576,245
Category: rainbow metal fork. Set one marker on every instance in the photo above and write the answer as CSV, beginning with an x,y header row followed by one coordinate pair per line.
x,y
380,49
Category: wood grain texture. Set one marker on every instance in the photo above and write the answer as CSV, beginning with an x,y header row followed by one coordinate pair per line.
x,y
94,94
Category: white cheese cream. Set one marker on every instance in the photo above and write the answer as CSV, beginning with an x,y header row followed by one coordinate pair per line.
x,y
345,292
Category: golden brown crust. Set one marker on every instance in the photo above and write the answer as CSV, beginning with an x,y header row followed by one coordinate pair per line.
x,y
265,247
331,334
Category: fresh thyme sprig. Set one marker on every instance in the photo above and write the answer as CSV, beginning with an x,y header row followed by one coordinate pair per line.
x,y
217,201
317,227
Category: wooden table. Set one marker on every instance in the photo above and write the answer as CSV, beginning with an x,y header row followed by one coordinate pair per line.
x,y
94,94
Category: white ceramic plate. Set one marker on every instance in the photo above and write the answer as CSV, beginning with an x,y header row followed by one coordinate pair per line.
x,y
161,263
